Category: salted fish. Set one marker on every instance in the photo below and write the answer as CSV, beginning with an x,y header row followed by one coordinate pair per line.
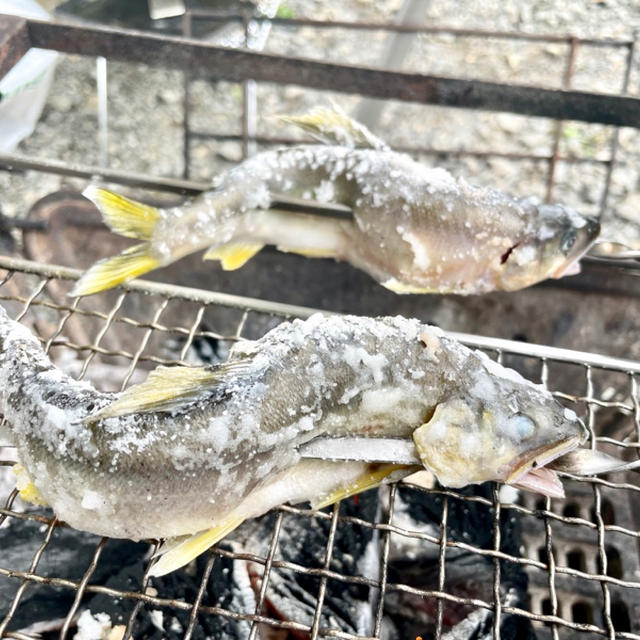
x,y
195,451
414,229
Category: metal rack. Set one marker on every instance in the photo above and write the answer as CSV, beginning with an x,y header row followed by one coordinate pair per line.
x,y
26,288
198,59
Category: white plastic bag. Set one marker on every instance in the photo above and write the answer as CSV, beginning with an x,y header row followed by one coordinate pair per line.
x,y
24,89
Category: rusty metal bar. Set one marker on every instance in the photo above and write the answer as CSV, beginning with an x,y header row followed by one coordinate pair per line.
x,y
413,149
248,93
175,185
207,14
614,140
14,41
566,83
237,65
186,83
11,162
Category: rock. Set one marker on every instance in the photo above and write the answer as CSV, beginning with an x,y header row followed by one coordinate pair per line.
x,y
629,208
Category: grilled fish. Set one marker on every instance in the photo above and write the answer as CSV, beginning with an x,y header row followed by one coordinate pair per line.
x,y
414,229
195,451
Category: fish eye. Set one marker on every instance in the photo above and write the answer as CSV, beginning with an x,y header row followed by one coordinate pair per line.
x,y
568,240
521,426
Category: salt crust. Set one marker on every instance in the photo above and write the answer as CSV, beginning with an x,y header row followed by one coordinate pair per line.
x,y
93,626
354,375
380,384
411,223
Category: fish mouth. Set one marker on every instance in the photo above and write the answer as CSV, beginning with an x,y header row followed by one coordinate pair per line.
x,y
529,470
567,269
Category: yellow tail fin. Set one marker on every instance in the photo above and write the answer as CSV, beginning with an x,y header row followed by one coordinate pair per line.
x,y
128,218
178,555
124,216
110,272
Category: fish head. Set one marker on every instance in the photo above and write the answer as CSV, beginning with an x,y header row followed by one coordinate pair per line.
x,y
502,428
551,247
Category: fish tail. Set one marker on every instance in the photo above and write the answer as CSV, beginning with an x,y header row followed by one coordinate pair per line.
x,y
123,215
111,272
127,218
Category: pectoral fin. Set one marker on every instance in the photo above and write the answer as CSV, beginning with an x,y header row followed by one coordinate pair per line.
x,y
180,554
233,256
374,476
167,388
400,287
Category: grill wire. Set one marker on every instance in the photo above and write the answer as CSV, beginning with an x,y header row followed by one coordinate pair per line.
x,y
549,571
569,547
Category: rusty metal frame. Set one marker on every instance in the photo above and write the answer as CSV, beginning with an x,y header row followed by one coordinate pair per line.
x,y
238,65
17,35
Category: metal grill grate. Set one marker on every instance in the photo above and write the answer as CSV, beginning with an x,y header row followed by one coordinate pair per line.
x,y
606,599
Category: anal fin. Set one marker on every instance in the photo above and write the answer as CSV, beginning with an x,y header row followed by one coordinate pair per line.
x,y
374,476
232,256
178,555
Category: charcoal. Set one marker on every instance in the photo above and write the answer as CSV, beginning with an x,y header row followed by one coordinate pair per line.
x,y
67,556
467,575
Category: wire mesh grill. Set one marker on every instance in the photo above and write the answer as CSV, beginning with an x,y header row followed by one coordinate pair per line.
x,y
596,518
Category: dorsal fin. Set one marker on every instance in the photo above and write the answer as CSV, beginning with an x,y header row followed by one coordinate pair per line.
x,y
332,125
167,388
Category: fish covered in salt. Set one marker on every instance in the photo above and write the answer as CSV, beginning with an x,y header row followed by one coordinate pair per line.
x,y
413,228
192,452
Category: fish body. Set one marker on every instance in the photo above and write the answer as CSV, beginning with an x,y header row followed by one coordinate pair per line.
x,y
192,448
414,229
